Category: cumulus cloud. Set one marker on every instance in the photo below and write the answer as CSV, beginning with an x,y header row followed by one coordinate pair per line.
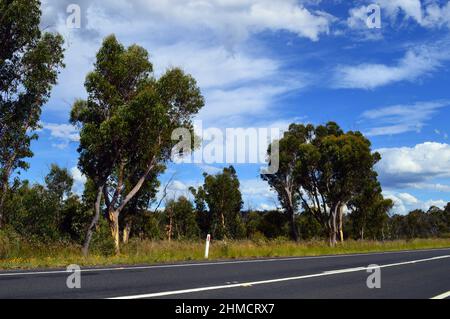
x,y
62,133
437,16
257,194
398,119
409,166
235,79
405,203
411,9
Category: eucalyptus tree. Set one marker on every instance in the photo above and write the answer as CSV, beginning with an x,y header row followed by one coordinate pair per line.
x,y
29,64
126,125
183,219
321,169
369,210
59,182
221,195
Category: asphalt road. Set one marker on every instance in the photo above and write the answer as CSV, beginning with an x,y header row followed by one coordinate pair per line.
x,y
412,274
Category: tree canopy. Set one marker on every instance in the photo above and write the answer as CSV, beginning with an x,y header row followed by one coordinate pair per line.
x,y
127,123
321,169
29,64
220,193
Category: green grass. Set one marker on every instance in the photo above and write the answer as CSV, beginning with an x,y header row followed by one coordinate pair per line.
x,y
28,256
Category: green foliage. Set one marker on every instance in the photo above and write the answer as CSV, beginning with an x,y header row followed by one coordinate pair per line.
x,y
310,227
41,213
369,211
321,168
75,217
102,242
10,243
59,182
127,124
29,64
221,194
32,212
275,224
181,215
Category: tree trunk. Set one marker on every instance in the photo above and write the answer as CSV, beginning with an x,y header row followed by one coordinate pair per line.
x,y
126,232
333,225
2,201
170,229
4,190
222,220
294,231
332,236
362,233
341,223
114,225
94,222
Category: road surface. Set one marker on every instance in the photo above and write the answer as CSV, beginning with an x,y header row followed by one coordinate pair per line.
x,y
421,274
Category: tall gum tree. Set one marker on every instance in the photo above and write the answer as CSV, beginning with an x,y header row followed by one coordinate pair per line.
x,y
126,126
321,169
221,195
29,64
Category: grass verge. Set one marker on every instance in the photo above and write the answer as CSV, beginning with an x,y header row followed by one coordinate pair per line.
x,y
29,256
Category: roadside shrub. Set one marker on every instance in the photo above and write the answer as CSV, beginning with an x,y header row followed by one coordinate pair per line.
x,y
102,241
9,243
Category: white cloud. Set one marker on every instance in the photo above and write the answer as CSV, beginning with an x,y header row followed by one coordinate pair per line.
x,y
409,166
263,207
398,119
246,100
437,16
357,18
79,180
209,169
438,187
405,203
234,84
407,199
414,65
235,76
428,13
257,194
237,19
177,186
214,66
63,133
409,8
232,19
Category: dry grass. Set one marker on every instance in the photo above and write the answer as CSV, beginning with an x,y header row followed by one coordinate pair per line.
x,y
27,256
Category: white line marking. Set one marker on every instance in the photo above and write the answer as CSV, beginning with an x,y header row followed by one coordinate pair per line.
x,y
51,272
271,281
445,295
341,271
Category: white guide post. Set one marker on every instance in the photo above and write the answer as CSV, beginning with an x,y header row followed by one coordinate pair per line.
x,y
208,240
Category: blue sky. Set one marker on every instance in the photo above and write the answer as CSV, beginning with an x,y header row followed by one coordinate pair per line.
x,y
263,63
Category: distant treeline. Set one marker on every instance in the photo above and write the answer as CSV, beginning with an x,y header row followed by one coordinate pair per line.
x,y
52,213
